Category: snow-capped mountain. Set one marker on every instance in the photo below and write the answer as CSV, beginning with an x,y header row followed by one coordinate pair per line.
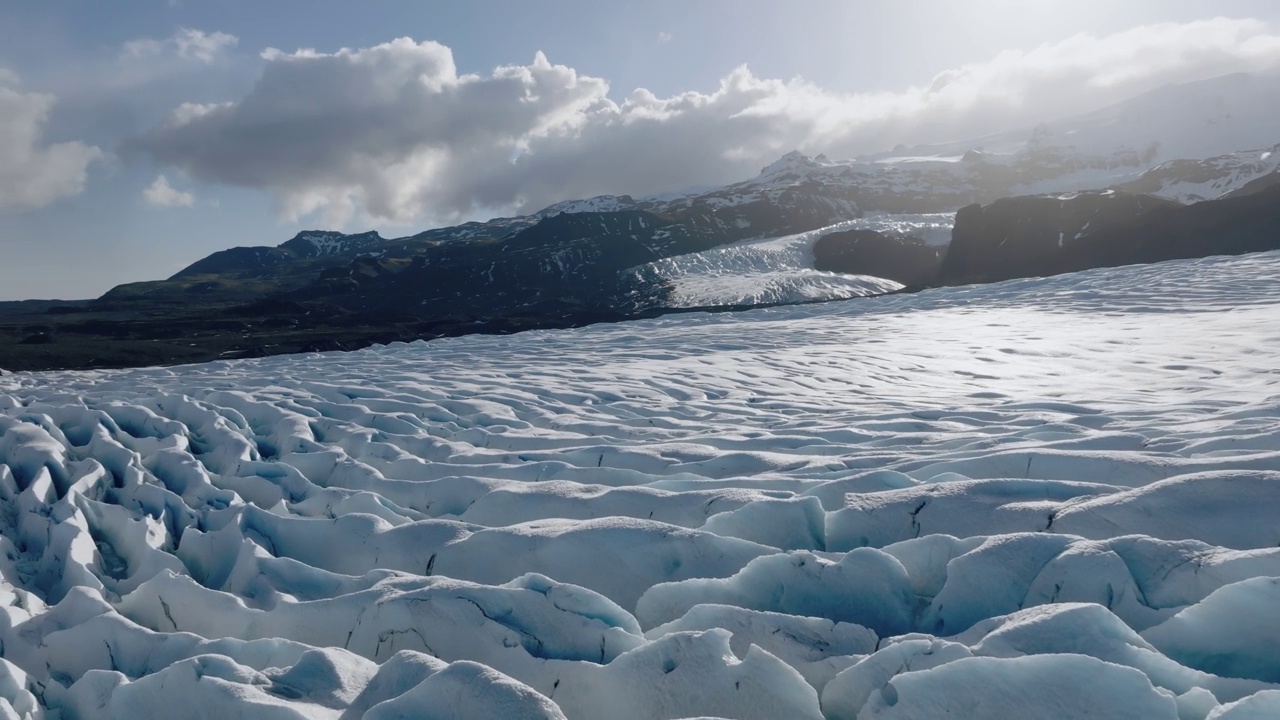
x,y
576,261
600,203
982,497
322,243
306,245
1180,129
1189,181
577,264
1182,142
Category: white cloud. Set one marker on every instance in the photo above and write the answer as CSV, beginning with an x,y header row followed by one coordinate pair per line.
x,y
33,173
161,194
185,43
394,133
205,47
665,37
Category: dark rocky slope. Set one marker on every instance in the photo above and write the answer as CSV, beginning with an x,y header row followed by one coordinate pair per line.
x,y
905,259
1039,236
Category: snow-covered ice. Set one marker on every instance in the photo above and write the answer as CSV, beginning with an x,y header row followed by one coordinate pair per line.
x,y
973,501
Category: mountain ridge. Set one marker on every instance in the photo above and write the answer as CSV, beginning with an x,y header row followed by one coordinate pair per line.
x,y
613,257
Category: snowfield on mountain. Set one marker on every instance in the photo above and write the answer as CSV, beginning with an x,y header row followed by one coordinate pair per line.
x,y
1045,498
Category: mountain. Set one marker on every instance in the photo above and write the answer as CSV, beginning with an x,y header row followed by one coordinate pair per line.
x,y
797,193
784,236
307,245
321,243
805,228
600,203
564,260
1180,142
261,260
1189,181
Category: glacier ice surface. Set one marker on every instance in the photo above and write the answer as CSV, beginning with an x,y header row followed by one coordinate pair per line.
x,y
1041,498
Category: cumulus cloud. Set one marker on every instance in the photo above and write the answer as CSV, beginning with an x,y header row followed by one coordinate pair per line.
x,y
161,194
395,133
665,37
185,43
34,173
393,130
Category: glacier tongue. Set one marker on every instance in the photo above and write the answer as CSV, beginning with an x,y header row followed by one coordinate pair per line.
x,y
780,270
974,500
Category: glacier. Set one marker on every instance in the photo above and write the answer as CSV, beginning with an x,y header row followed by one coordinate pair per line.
x,y
779,270
1044,498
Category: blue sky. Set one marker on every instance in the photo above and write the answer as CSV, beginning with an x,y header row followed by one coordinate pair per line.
x,y
110,183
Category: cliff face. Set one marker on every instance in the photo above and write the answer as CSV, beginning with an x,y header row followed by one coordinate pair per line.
x,y
1033,236
907,260
1229,226
1037,236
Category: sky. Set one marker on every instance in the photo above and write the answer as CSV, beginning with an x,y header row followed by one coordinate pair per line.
x,y
138,136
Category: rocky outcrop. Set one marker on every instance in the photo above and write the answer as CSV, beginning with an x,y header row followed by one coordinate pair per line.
x,y
1228,226
1038,236
904,259
1032,236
